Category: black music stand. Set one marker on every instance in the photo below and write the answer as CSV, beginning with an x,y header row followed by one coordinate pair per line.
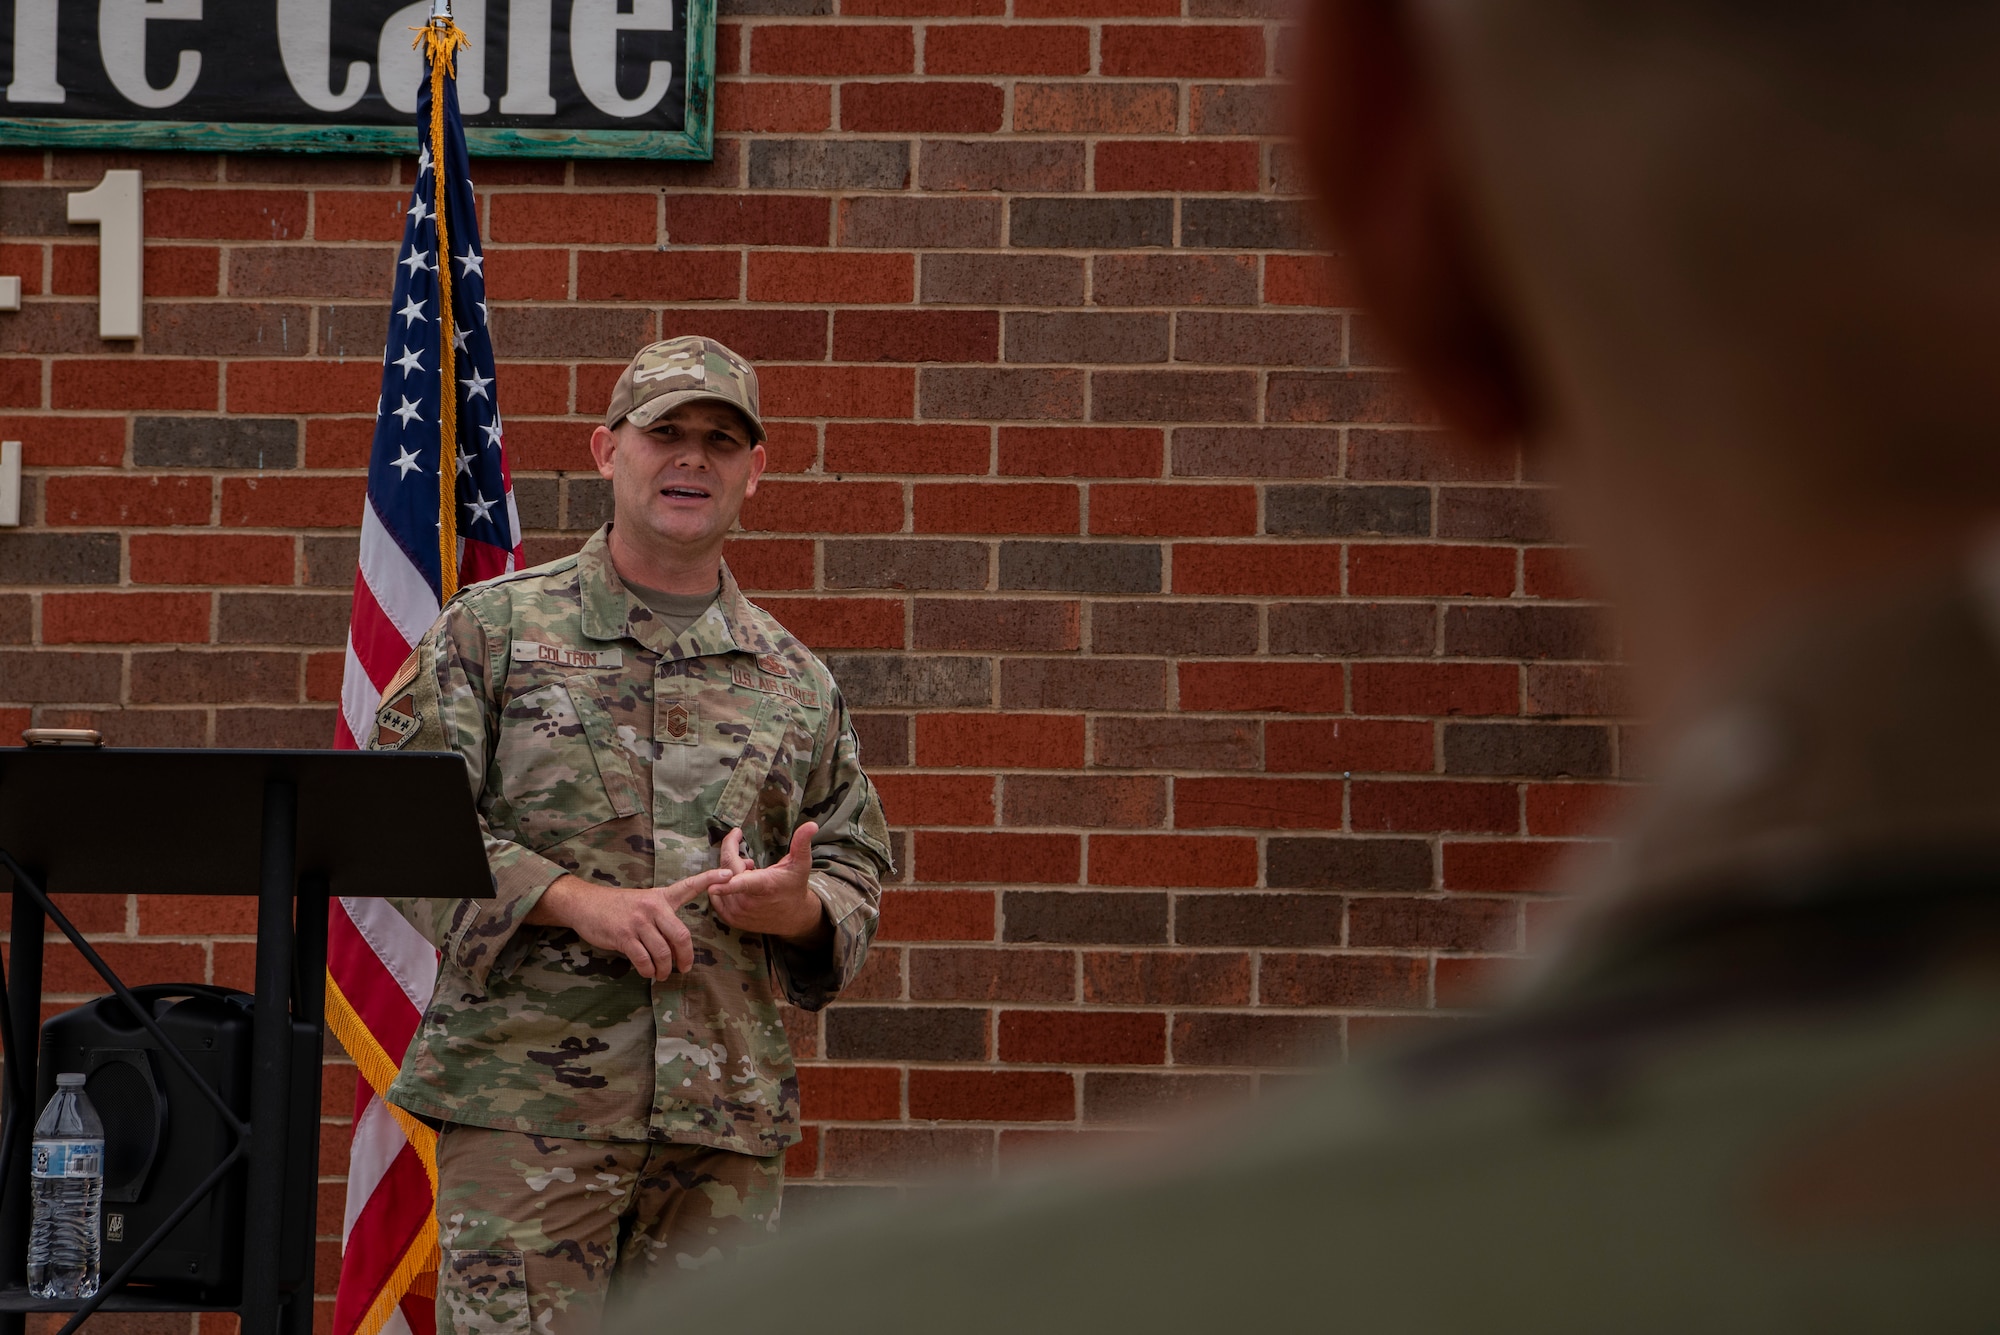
x,y
285,826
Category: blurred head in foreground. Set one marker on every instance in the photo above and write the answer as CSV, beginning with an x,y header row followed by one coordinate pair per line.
x,y
1731,269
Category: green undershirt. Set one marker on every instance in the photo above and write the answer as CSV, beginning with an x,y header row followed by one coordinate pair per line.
x,y
677,611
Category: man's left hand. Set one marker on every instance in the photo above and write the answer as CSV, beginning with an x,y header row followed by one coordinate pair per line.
x,y
773,900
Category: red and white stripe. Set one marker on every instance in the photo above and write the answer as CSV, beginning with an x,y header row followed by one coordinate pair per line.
x,y
384,969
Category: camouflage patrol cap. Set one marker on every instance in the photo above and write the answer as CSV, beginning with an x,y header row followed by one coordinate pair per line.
x,y
674,371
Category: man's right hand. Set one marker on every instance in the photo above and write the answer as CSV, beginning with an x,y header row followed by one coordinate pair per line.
x,y
642,925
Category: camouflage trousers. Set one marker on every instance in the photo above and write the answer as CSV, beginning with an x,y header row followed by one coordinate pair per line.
x,y
537,1233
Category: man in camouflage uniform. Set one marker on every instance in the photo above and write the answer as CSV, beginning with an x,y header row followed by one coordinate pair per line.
x,y
680,833
1730,269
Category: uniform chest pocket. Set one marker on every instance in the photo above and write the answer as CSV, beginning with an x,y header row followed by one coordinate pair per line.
x,y
762,795
560,768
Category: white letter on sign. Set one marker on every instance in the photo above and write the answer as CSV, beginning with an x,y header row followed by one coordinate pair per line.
x,y
305,44
114,206
121,40
594,26
528,46
35,53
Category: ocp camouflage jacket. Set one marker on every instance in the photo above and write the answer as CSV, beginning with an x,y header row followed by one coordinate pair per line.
x,y
599,746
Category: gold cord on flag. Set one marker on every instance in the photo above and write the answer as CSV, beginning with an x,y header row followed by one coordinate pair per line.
x,y
440,39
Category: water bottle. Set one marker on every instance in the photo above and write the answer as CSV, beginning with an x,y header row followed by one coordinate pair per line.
x,y
63,1244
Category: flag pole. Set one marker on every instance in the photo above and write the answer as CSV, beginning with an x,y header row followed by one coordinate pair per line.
x,y
441,38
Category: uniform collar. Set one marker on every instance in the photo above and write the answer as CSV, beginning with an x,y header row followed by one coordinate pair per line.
x,y
613,612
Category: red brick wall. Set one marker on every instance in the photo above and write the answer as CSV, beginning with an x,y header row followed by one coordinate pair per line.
x,y
1224,714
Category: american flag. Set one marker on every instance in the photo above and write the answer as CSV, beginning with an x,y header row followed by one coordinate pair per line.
x,y
380,972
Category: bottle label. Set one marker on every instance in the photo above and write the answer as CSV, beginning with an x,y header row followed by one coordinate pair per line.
x,y
69,1158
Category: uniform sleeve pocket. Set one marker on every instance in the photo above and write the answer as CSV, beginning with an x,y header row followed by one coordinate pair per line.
x,y
485,1292
549,772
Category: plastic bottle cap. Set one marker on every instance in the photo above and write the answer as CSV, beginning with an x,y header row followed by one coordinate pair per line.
x,y
70,1080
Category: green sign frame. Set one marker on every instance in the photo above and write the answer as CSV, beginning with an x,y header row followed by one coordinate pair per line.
x,y
695,141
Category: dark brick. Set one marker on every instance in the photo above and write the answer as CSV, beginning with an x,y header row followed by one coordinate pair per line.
x,y
1085,917
1173,280
1180,629
1528,750
992,975
1258,340
829,164
1176,743
1578,692
1082,683
227,329
1241,919
1505,514
38,676
1333,511
1072,223
539,502
903,1153
1166,978
1083,567
1245,224
1173,396
1132,1096
901,563
1344,396
904,223
1377,982
1000,164
283,618
1120,801
17,619
586,503
911,681
1255,452
1223,1039
1000,280
215,442
1071,337
1348,864
1527,632
1434,924
289,729
786,8
45,327
976,393
1354,630
1017,624
924,1034
37,210
348,330
58,558
564,332
312,271
331,563
1237,109
885,740
238,676
1424,456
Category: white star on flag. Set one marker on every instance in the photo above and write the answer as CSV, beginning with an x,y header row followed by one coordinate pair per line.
x,y
492,431
411,361
471,263
475,388
407,461
413,310
409,412
465,464
419,212
423,159
479,505
414,261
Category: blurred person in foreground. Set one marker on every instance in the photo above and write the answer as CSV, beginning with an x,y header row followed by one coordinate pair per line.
x,y
1730,270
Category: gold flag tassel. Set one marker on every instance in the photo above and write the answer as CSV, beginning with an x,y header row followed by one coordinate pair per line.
x,y
440,39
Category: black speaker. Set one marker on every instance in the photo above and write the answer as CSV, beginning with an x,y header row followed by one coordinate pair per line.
x,y
162,1137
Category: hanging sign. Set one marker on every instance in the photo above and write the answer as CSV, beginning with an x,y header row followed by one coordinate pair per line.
x,y
541,78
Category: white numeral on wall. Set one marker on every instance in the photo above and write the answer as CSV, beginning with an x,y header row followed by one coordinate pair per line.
x,y
115,207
